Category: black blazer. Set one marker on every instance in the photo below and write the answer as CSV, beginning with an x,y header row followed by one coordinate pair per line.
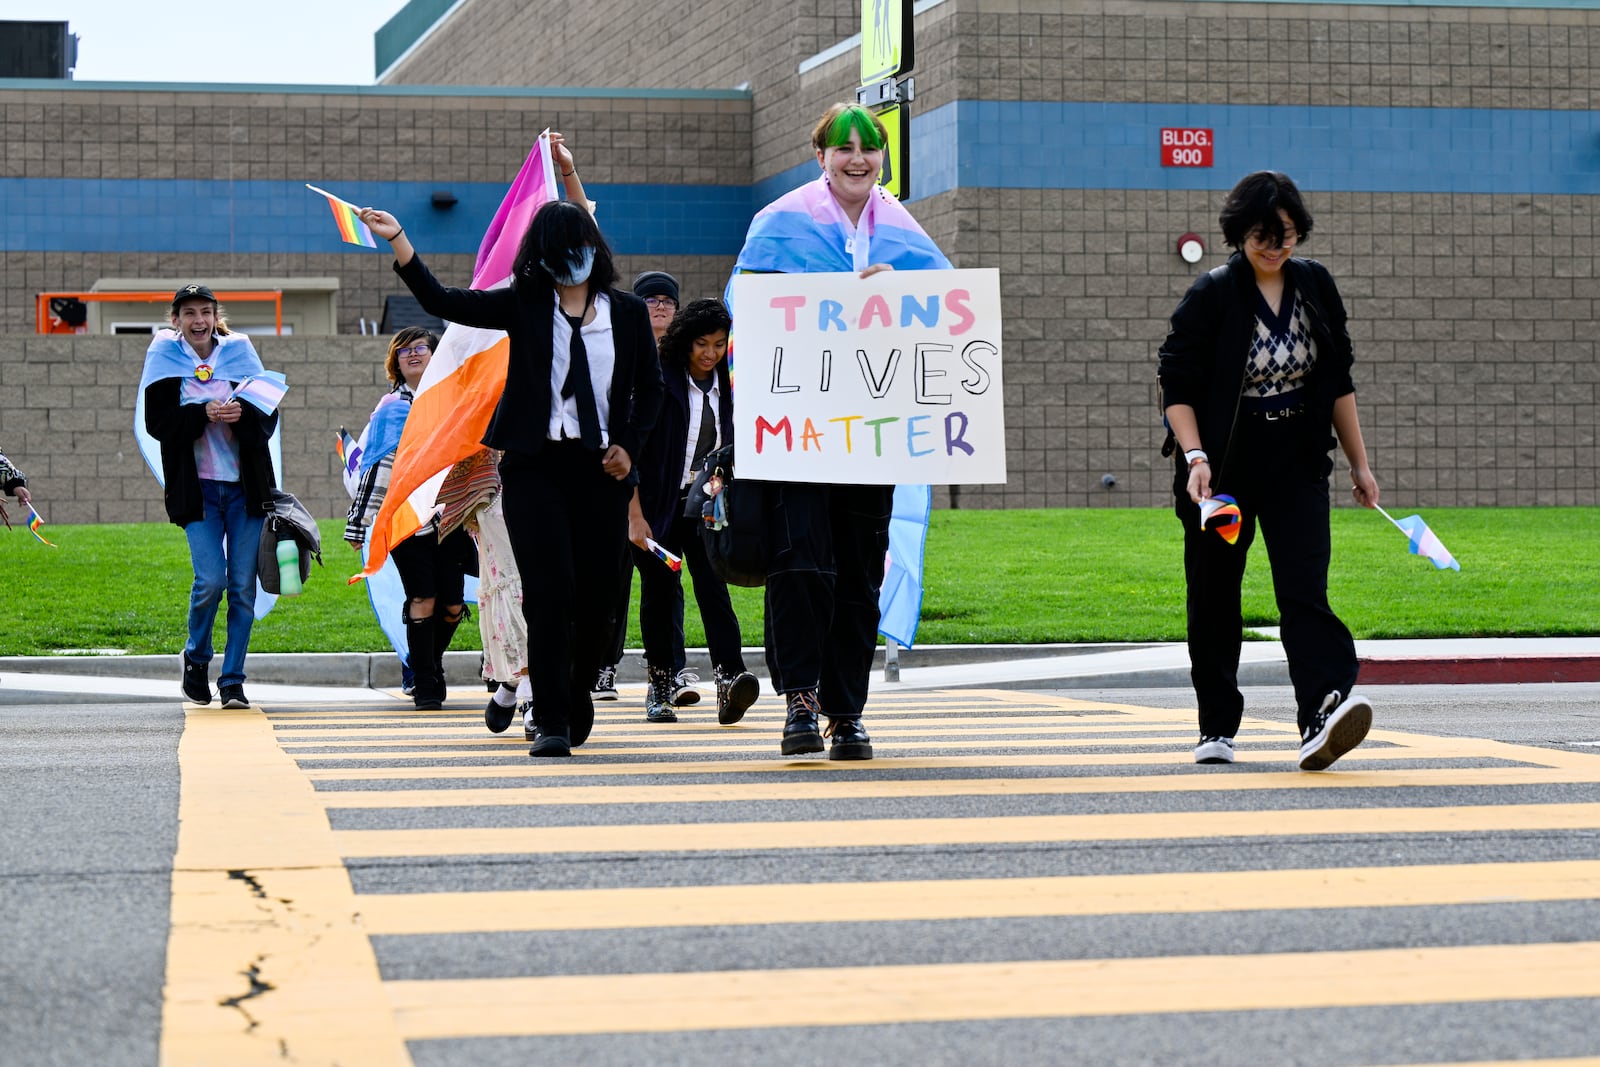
x,y
525,312
177,426
1203,359
661,465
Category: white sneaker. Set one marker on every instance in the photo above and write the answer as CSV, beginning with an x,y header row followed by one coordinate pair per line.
x,y
1214,750
1332,733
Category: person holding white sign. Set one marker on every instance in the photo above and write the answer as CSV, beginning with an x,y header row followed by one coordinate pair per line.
x,y
827,542
1254,374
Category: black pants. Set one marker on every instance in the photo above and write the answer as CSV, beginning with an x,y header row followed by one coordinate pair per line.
x,y
661,602
434,569
619,629
828,544
1280,479
568,524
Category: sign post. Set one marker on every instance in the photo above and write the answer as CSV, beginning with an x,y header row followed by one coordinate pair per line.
x,y
888,51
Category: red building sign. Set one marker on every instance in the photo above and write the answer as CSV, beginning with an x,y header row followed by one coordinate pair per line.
x,y
1185,147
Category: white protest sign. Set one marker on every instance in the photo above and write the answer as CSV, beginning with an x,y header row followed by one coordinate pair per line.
x,y
888,380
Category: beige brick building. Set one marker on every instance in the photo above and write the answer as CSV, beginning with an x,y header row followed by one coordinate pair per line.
x,y
1451,155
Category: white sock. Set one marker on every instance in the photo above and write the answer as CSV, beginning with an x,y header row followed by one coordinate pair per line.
x,y
505,696
524,690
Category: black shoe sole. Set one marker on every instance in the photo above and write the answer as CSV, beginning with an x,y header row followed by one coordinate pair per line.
x,y
1338,737
851,750
800,744
529,735
741,694
498,718
427,705
550,747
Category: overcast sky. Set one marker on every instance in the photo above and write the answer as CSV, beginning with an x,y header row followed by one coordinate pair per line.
x,y
292,42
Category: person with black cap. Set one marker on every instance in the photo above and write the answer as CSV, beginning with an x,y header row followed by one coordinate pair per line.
x,y
217,475
581,393
696,419
659,291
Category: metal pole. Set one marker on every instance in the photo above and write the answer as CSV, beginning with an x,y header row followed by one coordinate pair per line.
x,y
891,660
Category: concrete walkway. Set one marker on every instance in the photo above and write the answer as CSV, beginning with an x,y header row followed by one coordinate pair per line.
x,y
334,677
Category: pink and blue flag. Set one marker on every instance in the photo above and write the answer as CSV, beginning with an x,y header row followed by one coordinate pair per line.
x,y
264,391
1423,541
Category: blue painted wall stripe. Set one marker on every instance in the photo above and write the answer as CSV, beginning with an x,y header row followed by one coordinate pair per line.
x,y
964,144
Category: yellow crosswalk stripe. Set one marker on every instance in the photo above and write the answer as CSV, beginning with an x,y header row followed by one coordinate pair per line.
x,y
720,1000
979,898
886,788
880,833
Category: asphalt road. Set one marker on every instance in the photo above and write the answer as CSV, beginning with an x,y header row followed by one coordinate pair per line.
x,y
646,887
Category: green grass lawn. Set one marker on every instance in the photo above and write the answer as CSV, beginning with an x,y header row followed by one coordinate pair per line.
x,y
992,576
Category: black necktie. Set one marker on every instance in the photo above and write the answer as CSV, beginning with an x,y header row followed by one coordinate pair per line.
x,y
708,428
578,383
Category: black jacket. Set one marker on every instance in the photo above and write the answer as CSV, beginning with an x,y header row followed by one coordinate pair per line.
x,y
177,426
521,420
661,464
1204,356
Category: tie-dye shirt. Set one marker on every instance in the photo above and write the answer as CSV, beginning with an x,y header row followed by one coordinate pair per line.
x,y
216,453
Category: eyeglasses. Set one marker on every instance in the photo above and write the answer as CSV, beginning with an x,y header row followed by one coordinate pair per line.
x,y
660,302
1261,242
414,350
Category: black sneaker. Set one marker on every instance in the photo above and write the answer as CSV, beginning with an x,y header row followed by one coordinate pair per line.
x,y
549,745
1336,728
233,697
848,739
196,687
735,694
525,713
497,716
605,686
684,692
800,734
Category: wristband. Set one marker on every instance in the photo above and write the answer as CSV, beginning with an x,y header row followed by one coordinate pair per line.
x,y
569,173
1196,455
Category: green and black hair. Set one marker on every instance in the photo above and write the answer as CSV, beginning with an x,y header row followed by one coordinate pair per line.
x,y
837,122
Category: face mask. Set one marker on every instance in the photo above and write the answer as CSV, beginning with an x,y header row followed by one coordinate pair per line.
x,y
569,275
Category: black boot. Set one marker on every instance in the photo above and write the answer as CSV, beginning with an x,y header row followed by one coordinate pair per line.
x,y
736,691
420,647
444,630
658,695
848,740
800,726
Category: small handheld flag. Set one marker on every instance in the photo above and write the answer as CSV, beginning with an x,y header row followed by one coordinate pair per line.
x,y
34,522
349,450
264,391
1224,510
675,562
352,230
1423,541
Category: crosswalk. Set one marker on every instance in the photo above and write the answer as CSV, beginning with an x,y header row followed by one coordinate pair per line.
x,y
1019,877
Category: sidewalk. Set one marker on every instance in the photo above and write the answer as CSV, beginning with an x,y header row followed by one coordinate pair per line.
x,y
335,677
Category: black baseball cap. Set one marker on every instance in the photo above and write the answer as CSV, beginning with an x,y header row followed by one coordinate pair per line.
x,y
192,292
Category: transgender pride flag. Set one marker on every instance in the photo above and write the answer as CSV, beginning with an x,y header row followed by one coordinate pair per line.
x,y
1423,541
465,379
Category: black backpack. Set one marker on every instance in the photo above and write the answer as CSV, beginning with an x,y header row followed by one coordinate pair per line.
x,y
732,521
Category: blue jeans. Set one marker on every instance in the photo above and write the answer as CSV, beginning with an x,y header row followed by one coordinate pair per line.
x,y
223,546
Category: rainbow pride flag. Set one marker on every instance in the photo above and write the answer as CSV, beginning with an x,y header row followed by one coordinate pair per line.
x,y
34,522
352,231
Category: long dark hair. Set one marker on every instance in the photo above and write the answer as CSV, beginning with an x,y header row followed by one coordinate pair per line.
x,y
555,234
696,320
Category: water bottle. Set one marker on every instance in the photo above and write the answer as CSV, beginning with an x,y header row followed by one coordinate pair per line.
x,y
289,567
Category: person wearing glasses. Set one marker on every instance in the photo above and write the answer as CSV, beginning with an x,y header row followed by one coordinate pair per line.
x,y
1254,374
432,570
659,291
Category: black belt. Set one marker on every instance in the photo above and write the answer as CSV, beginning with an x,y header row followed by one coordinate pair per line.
x,y
1274,408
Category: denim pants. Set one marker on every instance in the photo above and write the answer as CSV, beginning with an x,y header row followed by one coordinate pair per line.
x,y
223,546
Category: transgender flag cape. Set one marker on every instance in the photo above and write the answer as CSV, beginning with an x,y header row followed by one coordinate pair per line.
x,y
807,232
464,380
